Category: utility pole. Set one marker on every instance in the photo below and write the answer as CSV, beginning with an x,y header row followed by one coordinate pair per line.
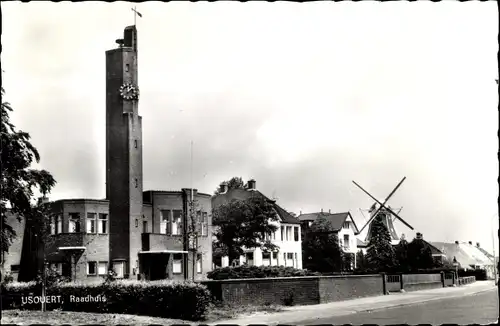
x,y
193,235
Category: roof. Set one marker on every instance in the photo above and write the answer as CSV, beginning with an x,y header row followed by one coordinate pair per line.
x,y
465,253
243,194
336,219
434,250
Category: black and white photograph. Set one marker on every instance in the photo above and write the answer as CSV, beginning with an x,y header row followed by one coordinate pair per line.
x,y
249,162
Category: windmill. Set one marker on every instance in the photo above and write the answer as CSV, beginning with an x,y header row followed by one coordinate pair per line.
x,y
387,213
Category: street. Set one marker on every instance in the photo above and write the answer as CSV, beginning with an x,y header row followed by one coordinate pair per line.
x,y
481,308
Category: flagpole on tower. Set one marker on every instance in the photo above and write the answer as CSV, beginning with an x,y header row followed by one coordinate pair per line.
x,y
136,13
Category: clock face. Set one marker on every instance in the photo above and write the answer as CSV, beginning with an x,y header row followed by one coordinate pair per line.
x,y
129,92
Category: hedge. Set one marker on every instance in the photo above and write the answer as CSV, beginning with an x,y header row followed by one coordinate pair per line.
x,y
246,271
166,299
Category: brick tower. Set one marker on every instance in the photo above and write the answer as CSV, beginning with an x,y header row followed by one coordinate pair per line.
x,y
123,155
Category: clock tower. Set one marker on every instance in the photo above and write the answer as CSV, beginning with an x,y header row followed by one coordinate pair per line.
x,y
123,155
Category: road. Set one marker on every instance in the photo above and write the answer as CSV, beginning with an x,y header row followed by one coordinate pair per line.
x,y
480,308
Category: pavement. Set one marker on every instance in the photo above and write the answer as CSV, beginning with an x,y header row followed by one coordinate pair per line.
x,y
296,314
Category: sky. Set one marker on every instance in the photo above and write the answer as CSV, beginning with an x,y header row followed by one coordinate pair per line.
x,y
302,97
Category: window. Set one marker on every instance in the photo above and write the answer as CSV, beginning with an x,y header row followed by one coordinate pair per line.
x,y
52,225
198,222
275,255
102,223
91,222
282,233
198,263
177,264
74,223
136,223
59,224
249,258
119,268
135,143
144,226
15,268
102,268
266,258
346,240
166,222
288,233
289,255
177,223
204,226
136,182
91,268
346,225
273,235
127,67
296,233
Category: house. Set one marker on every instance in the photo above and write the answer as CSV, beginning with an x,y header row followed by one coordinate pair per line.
x,y
342,224
468,256
137,234
287,236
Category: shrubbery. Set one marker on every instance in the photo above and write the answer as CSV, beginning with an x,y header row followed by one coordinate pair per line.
x,y
167,299
245,271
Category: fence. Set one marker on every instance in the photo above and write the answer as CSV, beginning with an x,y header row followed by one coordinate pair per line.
x,y
466,280
393,283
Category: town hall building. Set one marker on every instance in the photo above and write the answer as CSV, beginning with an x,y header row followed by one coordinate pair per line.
x,y
138,234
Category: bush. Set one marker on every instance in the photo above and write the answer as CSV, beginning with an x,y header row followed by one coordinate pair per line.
x,y
167,299
245,271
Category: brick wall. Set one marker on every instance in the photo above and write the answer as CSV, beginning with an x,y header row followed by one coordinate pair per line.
x,y
338,288
295,290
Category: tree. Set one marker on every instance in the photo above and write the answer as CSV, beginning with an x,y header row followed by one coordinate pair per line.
x,y
244,224
233,183
347,261
380,254
320,248
419,255
401,252
361,264
19,181
194,231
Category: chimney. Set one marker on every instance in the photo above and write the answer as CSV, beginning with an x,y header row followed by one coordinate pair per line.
x,y
300,213
477,244
223,187
456,242
251,184
470,242
419,235
322,210
329,211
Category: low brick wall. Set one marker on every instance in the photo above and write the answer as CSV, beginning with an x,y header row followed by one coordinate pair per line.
x,y
338,288
295,290
416,282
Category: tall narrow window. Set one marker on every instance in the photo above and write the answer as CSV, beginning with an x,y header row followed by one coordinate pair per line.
x,y
135,143
91,223
166,222
127,67
74,223
296,233
136,182
346,240
53,225
266,258
282,233
144,226
177,264
198,264
177,223
204,226
198,222
102,225
59,223
288,233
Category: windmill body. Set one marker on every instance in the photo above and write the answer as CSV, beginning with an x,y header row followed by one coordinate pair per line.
x,y
388,221
386,212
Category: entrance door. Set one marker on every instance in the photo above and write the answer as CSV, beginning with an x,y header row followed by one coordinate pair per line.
x,y
158,264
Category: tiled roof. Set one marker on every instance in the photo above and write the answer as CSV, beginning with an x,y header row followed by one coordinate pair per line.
x,y
464,253
336,219
243,194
